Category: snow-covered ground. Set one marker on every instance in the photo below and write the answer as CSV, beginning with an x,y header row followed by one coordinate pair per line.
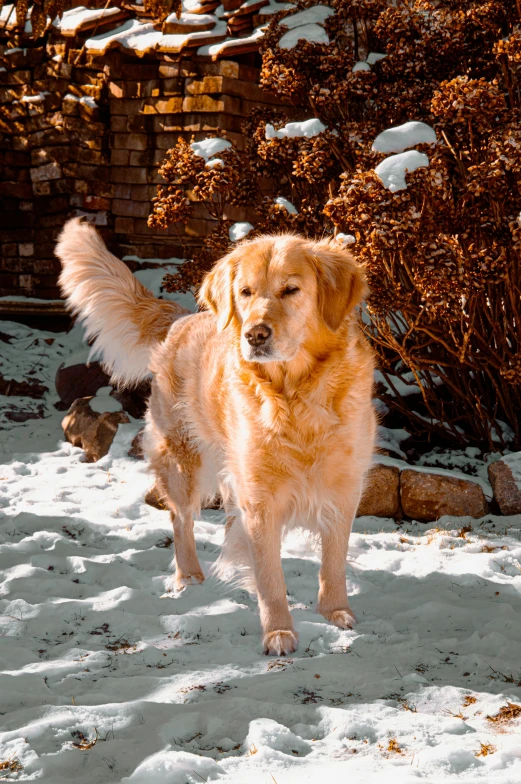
x,y
108,676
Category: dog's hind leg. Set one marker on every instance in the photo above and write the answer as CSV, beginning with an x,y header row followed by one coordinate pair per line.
x,y
176,467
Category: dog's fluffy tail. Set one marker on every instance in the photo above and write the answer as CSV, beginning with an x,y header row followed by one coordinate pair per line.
x,y
124,317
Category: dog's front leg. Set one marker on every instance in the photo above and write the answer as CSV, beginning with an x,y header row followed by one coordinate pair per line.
x,y
333,603
264,538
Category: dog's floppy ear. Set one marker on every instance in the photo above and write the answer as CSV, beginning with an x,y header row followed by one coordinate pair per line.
x,y
341,282
216,293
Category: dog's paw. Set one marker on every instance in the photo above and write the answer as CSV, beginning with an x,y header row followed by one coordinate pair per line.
x,y
182,580
279,643
344,619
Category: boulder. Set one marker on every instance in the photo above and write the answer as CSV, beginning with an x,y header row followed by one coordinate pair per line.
x,y
136,448
85,379
381,497
92,431
426,496
505,478
153,498
79,381
134,400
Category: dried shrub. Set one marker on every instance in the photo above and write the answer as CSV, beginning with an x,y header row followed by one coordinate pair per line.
x,y
442,255
507,713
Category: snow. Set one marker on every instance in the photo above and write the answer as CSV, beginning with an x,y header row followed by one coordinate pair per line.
x,y
215,163
6,13
307,128
231,43
73,19
239,230
286,205
274,8
392,170
210,147
102,402
402,137
312,33
365,65
192,19
20,298
173,43
403,387
513,461
374,57
153,280
192,6
132,34
345,239
174,767
315,15
143,37
173,688
172,260
34,98
85,99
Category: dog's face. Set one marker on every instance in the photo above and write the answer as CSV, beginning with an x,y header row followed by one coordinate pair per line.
x,y
281,291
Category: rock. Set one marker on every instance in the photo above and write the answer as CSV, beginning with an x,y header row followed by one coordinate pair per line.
x,y
136,448
91,431
505,478
426,496
78,381
153,498
135,400
85,379
381,497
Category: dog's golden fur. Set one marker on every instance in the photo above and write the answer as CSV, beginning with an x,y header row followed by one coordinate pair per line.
x,y
277,417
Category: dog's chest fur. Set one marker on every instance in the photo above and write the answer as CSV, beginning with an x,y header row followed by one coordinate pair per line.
x,y
305,434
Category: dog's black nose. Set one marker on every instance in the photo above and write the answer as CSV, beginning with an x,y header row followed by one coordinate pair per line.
x,y
258,335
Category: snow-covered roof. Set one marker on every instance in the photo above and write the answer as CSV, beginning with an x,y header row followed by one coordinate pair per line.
x,y
201,28
144,37
82,18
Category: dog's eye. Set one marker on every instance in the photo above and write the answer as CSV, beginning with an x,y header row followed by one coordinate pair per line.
x,y
246,292
289,290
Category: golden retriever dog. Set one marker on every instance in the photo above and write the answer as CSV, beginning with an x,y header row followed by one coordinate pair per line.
x,y
264,396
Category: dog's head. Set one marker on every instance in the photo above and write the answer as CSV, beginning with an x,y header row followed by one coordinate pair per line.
x,y
281,291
